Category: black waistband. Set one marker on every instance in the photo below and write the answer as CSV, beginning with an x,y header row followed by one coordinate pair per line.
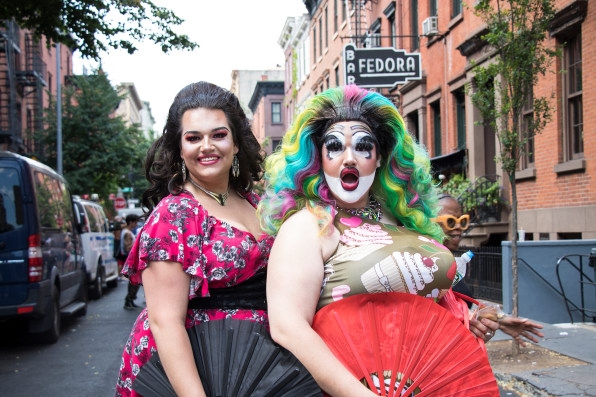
x,y
249,294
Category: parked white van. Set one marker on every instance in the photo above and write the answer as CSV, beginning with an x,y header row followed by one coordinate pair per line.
x,y
98,246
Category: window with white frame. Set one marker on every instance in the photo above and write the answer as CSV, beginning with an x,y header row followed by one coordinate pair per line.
x,y
275,112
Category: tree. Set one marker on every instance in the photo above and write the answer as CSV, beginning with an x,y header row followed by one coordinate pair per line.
x,y
91,26
517,32
99,149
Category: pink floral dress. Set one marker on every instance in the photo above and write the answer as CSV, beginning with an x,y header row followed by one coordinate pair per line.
x,y
215,255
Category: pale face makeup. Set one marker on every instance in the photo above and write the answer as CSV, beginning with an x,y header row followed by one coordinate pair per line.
x,y
350,162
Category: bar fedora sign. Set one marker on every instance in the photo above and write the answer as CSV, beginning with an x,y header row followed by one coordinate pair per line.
x,y
380,67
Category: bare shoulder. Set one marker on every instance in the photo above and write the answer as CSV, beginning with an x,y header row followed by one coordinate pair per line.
x,y
306,227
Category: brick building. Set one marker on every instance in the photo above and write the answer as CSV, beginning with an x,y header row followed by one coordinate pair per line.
x,y
556,188
28,70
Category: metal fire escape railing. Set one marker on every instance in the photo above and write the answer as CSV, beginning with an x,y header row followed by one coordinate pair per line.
x,y
21,88
358,25
10,125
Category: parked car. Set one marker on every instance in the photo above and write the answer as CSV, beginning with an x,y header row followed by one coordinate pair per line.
x,y
42,275
98,246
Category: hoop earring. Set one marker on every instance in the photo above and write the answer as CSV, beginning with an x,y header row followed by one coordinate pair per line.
x,y
183,169
235,167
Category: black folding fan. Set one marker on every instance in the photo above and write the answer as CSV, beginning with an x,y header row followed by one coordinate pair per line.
x,y
234,358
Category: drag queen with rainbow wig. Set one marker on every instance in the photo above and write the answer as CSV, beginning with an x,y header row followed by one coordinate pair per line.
x,y
350,199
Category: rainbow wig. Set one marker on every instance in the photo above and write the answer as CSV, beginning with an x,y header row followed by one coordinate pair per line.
x,y
294,176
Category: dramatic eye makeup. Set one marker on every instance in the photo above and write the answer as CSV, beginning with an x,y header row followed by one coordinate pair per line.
x,y
362,142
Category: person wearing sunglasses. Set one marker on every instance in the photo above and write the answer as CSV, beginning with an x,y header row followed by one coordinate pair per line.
x,y
454,223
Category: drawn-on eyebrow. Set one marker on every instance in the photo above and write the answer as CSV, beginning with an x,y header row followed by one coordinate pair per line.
x,y
363,127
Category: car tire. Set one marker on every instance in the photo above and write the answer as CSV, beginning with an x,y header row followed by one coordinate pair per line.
x,y
96,290
52,334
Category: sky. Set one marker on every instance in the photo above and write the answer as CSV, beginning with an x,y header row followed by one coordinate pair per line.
x,y
232,35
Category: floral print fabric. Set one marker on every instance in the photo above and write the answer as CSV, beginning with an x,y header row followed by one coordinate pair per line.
x,y
215,255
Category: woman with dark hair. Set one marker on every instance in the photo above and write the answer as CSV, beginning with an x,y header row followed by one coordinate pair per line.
x,y
202,236
350,199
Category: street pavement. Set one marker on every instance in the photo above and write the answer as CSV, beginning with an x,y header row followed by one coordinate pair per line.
x,y
577,341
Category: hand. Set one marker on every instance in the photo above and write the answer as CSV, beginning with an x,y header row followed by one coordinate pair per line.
x,y
520,328
484,329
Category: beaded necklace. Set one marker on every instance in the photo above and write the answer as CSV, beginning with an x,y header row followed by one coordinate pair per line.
x,y
372,212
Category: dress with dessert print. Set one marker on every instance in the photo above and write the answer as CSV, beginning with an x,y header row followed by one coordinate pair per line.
x,y
376,257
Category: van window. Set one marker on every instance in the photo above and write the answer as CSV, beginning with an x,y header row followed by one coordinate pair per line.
x,y
53,202
93,221
11,208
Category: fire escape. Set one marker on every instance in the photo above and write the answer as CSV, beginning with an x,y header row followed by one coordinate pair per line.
x,y
360,31
21,89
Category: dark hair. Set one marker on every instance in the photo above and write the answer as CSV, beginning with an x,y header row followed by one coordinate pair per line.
x,y
130,218
163,161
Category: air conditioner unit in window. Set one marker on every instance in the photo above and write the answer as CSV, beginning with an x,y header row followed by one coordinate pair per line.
x,y
430,26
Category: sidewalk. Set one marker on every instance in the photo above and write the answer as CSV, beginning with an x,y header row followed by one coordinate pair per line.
x,y
562,364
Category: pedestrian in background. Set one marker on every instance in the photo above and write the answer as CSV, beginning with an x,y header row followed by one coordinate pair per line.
x,y
454,223
127,238
202,241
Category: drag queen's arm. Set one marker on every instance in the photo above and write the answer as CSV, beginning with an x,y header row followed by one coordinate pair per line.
x,y
294,279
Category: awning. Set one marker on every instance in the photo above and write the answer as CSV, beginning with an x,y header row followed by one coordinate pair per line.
x,y
447,164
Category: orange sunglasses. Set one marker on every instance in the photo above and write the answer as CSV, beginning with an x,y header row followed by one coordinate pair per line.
x,y
450,222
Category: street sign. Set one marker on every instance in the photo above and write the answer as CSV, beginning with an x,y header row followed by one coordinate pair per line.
x,y
120,203
380,67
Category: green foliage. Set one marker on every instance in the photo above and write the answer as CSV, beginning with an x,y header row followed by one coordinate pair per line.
x,y
474,195
92,26
100,153
516,31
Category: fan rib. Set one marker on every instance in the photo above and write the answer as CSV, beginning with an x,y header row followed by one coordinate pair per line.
x,y
400,344
375,336
346,334
282,382
416,353
433,363
252,343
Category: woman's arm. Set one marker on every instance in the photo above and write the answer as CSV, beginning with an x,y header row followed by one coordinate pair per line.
x,y
294,279
166,291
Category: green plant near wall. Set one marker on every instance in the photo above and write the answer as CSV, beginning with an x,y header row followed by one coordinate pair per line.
x,y
481,193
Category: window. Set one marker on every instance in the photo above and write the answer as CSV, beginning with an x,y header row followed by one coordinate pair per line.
x,y
275,112
275,143
321,36
344,7
326,27
527,130
337,81
436,115
414,22
460,118
314,44
434,8
456,8
335,15
373,38
392,32
574,130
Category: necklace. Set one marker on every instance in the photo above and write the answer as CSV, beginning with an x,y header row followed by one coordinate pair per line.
x,y
220,198
373,211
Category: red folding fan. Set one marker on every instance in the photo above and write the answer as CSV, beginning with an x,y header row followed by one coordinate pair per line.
x,y
402,344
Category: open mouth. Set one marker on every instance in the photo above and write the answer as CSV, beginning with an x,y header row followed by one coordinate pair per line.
x,y
349,179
